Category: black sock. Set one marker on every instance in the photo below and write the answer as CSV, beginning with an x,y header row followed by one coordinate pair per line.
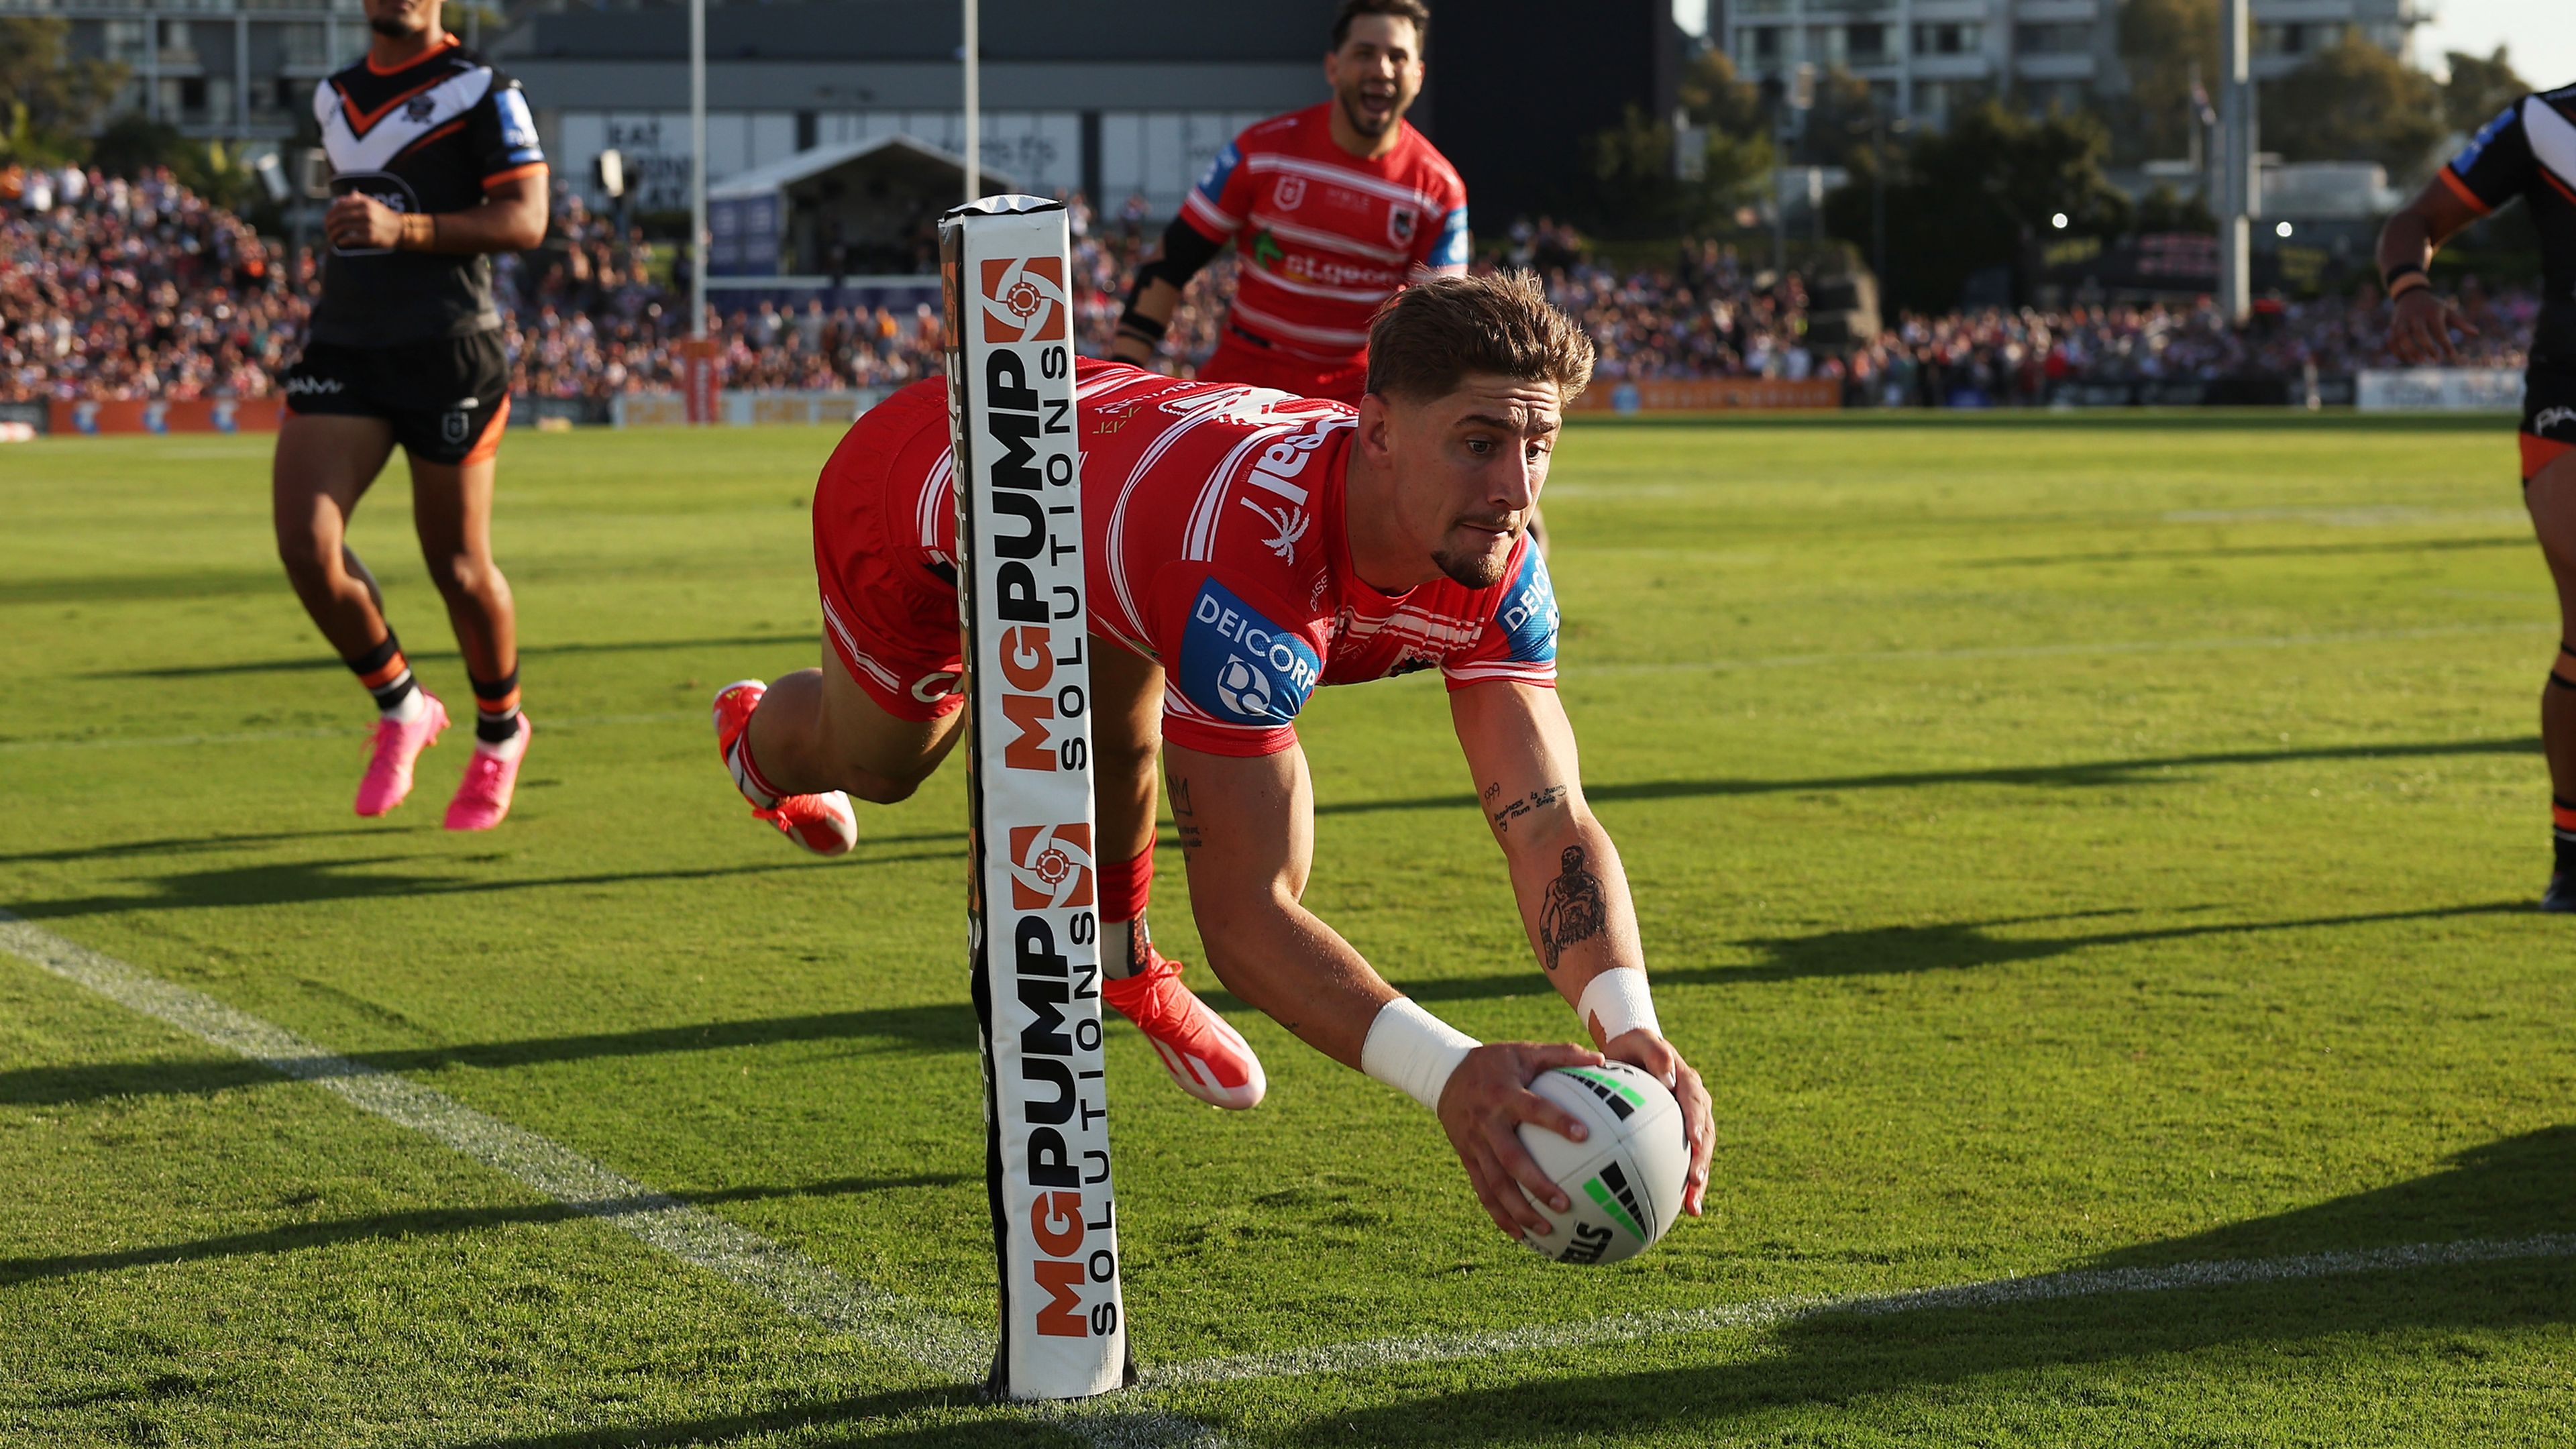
x,y
385,673
496,708
2562,836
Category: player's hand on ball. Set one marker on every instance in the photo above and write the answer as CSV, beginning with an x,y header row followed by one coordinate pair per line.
x,y
1482,1108
356,222
1655,1056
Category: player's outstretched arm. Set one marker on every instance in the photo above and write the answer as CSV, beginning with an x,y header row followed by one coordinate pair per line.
x,y
1247,830
1573,893
511,218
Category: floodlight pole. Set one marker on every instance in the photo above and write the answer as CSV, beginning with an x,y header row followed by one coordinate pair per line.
x,y
2239,186
974,103
698,169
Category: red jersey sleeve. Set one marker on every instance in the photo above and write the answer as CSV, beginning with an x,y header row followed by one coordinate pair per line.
x,y
1217,206
1518,640
1238,663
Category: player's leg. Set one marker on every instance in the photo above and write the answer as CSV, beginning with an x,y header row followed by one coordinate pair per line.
x,y
452,479
325,462
2551,497
1207,1058
800,746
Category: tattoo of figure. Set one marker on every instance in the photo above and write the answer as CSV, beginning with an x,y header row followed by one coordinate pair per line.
x,y
1574,910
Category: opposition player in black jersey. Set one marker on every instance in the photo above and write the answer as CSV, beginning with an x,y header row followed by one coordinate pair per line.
x,y
2528,151
435,166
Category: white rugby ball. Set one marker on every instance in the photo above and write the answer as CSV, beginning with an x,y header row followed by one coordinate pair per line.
x,y
1625,1180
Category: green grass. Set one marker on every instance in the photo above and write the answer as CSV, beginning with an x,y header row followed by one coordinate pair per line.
x,y
2062,843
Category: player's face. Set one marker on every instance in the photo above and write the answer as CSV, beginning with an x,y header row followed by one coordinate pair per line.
x,y
1468,470
1376,73
399,18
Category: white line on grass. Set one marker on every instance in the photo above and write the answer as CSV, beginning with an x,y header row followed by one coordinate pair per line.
x,y
920,1335
886,1321
1992,1293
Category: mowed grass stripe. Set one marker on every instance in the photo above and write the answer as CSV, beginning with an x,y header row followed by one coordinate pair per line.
x,y
804,1287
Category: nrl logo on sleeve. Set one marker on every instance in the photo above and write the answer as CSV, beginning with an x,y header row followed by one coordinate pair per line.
x,y
1023,300
1050,866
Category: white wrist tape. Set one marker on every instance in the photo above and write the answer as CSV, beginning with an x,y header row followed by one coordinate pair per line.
x,y
1616,1003
1413,1051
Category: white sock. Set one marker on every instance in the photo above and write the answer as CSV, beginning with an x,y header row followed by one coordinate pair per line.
x,y
509,749
414,705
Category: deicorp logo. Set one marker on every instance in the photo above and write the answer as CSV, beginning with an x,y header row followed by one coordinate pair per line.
x,y
1050,866
1023,300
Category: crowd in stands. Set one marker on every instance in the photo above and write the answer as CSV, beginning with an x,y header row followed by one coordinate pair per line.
x,y
116,289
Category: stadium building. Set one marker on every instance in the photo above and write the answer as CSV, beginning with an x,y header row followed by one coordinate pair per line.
x,y
216,69
1927,57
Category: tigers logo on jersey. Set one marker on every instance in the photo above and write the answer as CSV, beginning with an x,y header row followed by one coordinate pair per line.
x,y
1023,300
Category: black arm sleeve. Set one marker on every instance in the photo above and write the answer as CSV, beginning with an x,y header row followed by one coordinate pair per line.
x,y
1184,252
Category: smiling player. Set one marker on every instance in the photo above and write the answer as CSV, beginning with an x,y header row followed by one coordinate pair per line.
x,y
1244,548
1331,209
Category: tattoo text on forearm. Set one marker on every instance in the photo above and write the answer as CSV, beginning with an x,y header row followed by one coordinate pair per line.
x,y
1538,799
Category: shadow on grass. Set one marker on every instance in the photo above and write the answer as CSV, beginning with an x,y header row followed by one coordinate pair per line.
x,y
2080,775
303,882
425,1222
858,1418
1947,946
190,844
322,661
2275,550
2086,1345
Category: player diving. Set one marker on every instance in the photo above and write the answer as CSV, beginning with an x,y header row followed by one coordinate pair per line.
x,y
1245,547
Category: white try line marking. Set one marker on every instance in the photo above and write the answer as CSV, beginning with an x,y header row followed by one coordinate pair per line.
x,y
959,1350
885,1321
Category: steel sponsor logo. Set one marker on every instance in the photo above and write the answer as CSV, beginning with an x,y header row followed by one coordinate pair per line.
x,y
1023,299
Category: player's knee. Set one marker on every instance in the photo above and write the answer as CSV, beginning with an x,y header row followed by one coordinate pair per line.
x,y
310,562
1123,756
465,576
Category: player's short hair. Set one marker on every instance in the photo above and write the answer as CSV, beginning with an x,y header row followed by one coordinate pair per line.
x,y
1429,338
1413,10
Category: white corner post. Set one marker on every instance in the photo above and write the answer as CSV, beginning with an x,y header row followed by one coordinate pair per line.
x,y
1033,918
2239,184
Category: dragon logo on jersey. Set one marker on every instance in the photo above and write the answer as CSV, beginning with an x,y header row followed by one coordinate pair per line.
x,y
1024,299
1239,666
1050,866
1401,220
1528,613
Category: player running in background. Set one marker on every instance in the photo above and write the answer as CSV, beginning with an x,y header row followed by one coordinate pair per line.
x,y
2528,151
1331,210
1244,547
435,165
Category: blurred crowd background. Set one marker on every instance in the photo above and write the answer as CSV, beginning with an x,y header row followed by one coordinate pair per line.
x,y
113,289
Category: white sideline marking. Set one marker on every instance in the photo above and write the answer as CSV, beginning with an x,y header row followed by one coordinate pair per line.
x,y
2054,651
947,1345
1991,1293
886,1321
245,737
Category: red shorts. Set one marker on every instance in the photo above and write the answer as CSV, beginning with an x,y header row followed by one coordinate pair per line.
x,y
1240,359
889,604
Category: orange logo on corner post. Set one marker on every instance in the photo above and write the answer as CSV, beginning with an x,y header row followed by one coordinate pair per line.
x,y
1023,300
1050,866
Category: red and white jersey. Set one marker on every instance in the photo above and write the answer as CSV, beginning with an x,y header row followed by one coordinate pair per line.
x,y
1212,516
1325,237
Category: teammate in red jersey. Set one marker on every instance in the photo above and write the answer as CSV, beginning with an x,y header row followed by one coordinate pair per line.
x,y
1331,209
2529,150
1245,547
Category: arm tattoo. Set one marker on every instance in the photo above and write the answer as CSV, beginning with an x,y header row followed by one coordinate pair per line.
x,y
1185,822
1574,910
1538,799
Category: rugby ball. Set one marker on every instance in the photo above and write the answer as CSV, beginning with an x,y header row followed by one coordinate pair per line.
x,y
1624,1181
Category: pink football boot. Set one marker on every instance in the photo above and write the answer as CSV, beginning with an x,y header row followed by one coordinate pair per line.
x,y
396,747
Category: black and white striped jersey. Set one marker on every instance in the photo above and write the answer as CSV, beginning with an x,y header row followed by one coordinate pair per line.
x,y
429,137
2530,151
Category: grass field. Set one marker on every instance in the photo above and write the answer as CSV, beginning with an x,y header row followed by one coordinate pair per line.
x,y
2084,847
